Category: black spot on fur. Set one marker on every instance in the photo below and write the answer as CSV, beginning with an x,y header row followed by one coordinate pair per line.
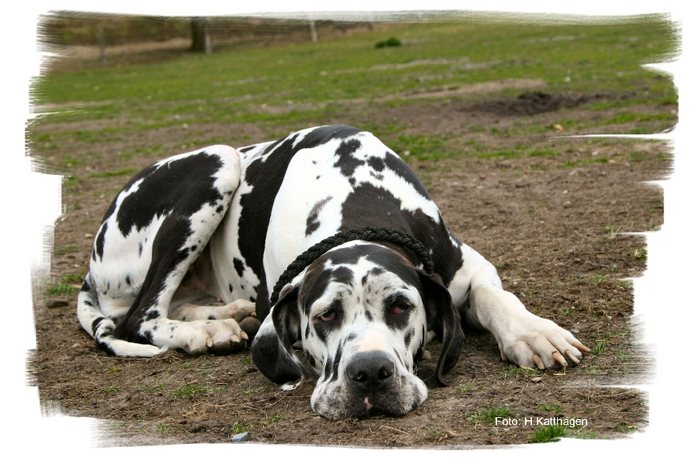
x,y
408,337
336,362
100,241
312,222
343,275
238,266
346,160
152,314
377,163
96,324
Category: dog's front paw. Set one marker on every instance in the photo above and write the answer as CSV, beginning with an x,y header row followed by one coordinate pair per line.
x,y
535,342
218,337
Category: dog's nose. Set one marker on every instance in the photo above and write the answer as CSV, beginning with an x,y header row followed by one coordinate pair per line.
x,y
370,370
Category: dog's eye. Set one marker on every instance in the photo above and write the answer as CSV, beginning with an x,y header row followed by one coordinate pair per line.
x,y
329,315
399,307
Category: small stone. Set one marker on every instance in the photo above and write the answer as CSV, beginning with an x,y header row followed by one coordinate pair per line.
x,y
56,303
240,437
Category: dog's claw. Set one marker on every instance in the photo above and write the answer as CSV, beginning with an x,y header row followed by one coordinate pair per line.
x,y
210,342
235,339
581,347
538,362
572,357
244,336
559,358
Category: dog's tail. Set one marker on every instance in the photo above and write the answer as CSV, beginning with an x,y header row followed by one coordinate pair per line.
x,y
101,327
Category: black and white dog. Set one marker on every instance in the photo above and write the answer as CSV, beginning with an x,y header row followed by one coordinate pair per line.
x,y
188,254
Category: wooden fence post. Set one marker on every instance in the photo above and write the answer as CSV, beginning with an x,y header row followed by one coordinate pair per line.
x,y
201,35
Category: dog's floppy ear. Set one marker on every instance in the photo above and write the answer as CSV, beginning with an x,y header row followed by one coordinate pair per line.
x,y
271,350
443,319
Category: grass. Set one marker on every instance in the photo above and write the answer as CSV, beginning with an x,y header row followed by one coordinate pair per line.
x,y
188,391
269,87
550,408
239,427
489,415
61,289
111,389
466,388
599,347
548,434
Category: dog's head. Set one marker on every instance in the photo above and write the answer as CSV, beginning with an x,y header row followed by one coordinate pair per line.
x,y
362,313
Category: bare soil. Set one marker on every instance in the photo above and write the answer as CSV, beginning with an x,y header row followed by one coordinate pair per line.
x,y
555,227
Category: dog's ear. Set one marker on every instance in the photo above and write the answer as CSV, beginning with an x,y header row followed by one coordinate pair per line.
x,y
443,319
271,350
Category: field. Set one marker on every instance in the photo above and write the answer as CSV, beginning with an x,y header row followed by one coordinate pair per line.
x,y
481,111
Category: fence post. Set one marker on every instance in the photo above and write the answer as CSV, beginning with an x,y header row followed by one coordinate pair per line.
x,y
201,35
101,43
312,27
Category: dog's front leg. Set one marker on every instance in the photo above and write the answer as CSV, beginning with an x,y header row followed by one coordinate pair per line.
x,y
523,338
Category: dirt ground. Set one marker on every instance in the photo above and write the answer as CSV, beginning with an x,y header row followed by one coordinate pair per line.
x,y
555,227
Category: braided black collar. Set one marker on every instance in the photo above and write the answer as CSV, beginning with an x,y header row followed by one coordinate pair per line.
x,y
367,233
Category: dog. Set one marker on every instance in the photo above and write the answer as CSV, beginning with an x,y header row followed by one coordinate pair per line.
x,y
222,249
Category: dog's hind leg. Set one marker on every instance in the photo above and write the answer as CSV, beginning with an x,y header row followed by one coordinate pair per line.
x,y
153,233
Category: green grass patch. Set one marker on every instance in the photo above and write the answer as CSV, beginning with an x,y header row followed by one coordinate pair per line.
x,y
421,147
72,279
597,279
61,289
270,419
126,171
599,347
624,427
550,408
342,68
622,356
548,434
640,254
391,42
167,429
489,415
239,427
111,389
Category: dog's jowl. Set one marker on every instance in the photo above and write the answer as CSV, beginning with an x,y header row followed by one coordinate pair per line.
x,y
319,251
